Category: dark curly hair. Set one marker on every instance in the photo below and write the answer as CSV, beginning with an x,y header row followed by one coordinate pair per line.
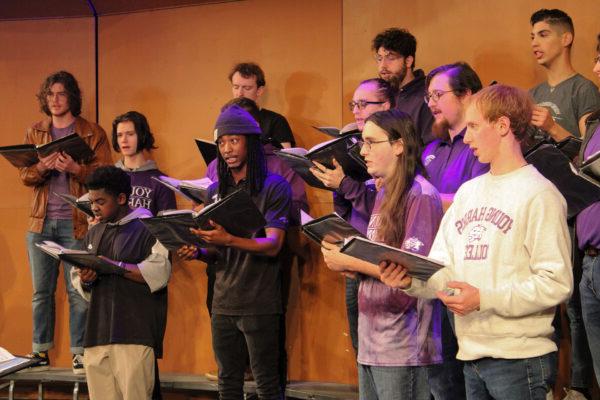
x,y
113,180
71,87
145,138
248,70
397,40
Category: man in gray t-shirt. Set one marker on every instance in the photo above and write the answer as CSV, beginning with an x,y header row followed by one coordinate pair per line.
x,y
566,99
568,102
564,102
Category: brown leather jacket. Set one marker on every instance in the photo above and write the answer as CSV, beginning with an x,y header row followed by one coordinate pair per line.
x,y
96,138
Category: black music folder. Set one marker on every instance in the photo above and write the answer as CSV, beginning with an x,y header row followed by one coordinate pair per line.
x,y
26,155
417,266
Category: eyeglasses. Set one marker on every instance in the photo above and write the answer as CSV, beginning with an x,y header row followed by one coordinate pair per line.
x,y
390,57
368,144
361,104
435,95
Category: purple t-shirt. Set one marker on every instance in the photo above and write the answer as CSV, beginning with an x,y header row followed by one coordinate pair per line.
x,y
450,164
59,183
276,165
588,227
395,329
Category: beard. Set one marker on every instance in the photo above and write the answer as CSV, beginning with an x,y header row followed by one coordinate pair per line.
x,y
396,79
441,129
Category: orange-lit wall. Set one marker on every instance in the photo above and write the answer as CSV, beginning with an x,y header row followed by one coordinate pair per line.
x,y
172,65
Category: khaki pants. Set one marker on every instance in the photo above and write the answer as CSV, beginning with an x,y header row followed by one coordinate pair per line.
x,y
119,372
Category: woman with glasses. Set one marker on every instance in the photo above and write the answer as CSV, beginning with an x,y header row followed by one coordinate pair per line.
x,y
354,200
398,335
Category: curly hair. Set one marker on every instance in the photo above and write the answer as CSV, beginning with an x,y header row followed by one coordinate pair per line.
x,y
145,138
110,178
248,70
71,87
397,40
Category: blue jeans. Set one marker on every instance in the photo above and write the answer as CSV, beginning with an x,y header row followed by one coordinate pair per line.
x,y
590,305
44,274
502,379
581,360
392,383
352,310
446,380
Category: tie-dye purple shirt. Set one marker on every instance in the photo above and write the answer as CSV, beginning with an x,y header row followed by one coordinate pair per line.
x,y
395,329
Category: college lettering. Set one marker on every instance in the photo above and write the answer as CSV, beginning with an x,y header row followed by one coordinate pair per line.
x,y
476,251
492,215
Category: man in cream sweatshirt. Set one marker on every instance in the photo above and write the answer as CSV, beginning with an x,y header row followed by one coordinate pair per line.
x,y
505,247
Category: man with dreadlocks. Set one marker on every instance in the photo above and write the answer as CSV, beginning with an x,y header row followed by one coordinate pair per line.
x,y
247,296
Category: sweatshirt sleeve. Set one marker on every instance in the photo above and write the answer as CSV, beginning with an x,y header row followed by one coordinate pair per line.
x,y
551,279
441,251
156,268
360,195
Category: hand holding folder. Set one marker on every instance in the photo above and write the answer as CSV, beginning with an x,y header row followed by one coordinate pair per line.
x,y
80,258
236,213
26,155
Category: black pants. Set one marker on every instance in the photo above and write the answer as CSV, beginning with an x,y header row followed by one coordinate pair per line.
x,y
259,334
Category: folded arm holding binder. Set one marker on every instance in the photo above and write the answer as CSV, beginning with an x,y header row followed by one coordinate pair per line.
x,y
81,258
236,213
331,228
342,149
417,266
26,155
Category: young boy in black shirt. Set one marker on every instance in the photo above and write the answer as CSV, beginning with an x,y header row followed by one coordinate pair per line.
x,y
127,313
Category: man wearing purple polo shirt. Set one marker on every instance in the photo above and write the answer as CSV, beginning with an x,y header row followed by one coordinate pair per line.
x,y
449,162
588,235
395,55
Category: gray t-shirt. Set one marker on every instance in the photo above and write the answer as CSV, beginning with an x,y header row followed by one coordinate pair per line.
x,y
568,101
59,183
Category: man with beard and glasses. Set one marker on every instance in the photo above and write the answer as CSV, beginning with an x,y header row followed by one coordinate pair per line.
x,y
395,55
450,162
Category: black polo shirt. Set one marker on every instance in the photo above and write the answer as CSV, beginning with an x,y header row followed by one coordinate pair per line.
x,y
246,283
